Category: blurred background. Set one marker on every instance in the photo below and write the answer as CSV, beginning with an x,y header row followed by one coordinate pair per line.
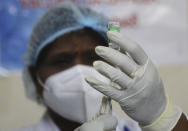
x,y
159,26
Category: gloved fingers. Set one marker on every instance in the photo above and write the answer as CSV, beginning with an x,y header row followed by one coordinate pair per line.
x,y
128,45
107,90
117,58
108,121
114,74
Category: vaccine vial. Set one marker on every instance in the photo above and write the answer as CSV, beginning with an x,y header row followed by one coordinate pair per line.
x,y
113,26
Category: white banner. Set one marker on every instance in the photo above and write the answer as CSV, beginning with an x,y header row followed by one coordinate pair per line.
x,y
159,26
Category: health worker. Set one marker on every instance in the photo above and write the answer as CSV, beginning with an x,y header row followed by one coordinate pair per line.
x,y
64,44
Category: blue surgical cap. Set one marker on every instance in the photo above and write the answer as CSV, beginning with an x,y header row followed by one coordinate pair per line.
x,y
64,18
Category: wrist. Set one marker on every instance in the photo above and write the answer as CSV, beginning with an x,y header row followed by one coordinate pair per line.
x,y
167,120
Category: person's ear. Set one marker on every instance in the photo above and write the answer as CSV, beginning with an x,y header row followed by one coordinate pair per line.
x,y
39,88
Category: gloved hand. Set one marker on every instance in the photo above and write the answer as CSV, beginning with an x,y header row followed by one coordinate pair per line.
x,y
102,123
142,95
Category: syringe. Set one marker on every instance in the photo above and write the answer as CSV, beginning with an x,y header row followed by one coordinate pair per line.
x,y
106,104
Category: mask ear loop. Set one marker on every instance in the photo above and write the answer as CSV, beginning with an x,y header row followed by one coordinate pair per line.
x,y
40,82
43,85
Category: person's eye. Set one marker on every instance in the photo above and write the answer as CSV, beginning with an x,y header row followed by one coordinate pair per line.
x,y
65,62
89,59
62,62
94,57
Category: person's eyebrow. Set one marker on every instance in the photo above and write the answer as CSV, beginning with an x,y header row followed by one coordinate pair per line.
x,y
61,55
89,53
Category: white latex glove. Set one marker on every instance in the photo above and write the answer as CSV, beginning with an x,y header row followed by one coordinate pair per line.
x,y
142,95
102,123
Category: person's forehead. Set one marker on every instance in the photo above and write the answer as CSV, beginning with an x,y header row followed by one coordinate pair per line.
x,y
76,41
82,40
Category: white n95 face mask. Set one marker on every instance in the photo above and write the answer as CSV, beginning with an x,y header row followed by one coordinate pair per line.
x,y
70,96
